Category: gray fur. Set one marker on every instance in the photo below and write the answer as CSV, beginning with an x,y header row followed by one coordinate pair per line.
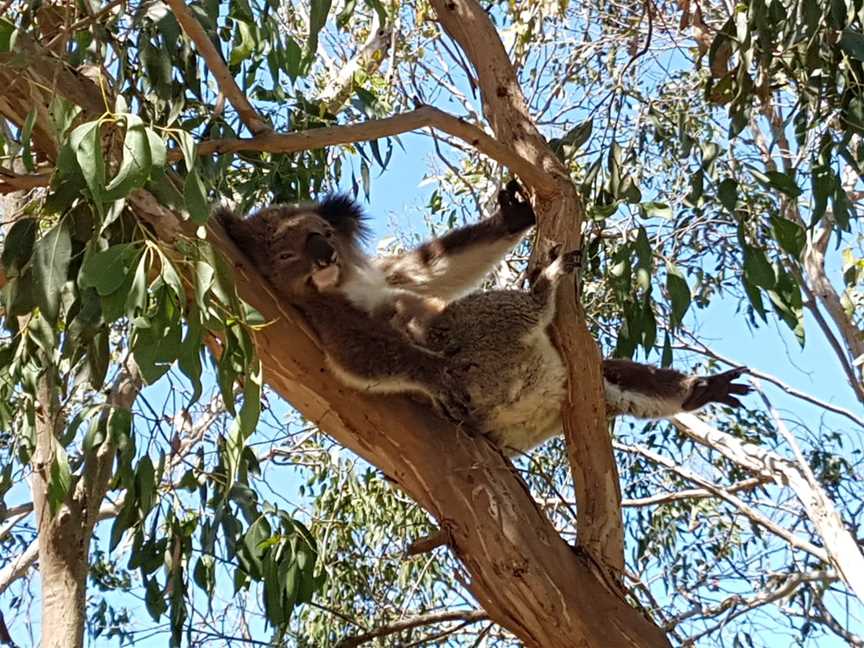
x,y
485,360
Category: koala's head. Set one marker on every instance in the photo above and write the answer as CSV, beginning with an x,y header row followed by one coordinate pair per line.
x,y
299,248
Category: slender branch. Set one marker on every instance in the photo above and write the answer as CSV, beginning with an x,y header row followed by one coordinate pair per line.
x,y
213,58
436,539
722,493
692,493
788,389
368,58
747,603
842,548
471,616
422,117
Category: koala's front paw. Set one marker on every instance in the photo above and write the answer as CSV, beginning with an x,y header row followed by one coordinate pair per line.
x,y
516,211
455,404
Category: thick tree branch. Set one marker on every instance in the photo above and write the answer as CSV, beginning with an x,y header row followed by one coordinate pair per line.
x,y
216,64
560,213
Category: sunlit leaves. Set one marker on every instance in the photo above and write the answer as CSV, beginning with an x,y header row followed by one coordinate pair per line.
x,y
679,294
51,256
318,11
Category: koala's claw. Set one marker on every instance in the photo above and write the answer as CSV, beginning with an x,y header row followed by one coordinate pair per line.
x,y
516,211
455,405
571,261
718,388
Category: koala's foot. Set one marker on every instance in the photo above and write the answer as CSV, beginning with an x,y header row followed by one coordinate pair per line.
x,y
718,388
516,211
563,264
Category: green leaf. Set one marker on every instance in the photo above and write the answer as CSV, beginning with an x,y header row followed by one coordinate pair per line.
x,y
145,485
852,42
656,209
666,356
153,599
790,235
86,142
783,183
727,193
245,39
679,294
26,132
822,184
8,35
251,409
60,480
187,146
757,268
51,256
195,196
18,246
841,206
137,160
106,271
318,11
755,297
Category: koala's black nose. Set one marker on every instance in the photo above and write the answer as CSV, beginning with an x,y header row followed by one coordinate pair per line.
x,y
320,251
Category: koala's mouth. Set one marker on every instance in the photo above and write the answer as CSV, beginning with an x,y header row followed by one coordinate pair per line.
x,y
326,277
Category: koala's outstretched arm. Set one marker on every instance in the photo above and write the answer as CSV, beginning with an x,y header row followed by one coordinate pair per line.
x,y
650,392
450,266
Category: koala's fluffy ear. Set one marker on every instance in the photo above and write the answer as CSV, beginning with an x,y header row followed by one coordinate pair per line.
x,y
242,230
344,214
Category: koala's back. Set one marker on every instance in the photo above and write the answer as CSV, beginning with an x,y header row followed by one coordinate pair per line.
x,y
508,364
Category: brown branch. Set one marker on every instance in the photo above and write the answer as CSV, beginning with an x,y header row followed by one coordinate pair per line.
x,y
422,117
470,616
11,181
560,214
747,603
216,64
436,539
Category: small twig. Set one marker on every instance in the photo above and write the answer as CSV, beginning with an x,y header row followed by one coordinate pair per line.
x,y
470,616
436,539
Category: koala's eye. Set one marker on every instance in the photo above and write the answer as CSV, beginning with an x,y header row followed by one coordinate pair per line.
x,y
287,256
328,234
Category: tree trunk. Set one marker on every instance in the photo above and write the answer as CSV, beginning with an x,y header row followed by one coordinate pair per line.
x,y
63,544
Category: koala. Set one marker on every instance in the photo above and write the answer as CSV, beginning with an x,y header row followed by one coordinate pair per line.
x,y
409,323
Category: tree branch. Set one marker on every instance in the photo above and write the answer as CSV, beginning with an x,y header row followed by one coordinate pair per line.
x,y
559,215
748,511
842,549
470,616
216,64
